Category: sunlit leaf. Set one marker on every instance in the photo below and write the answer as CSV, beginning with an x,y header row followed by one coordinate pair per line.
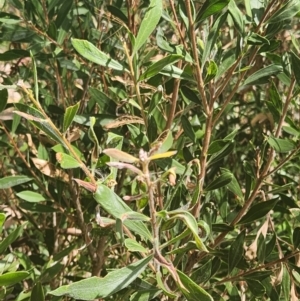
x,y
12,181
69,116
191,290
95,287
113,205
93,54
12,278
30,196
148,24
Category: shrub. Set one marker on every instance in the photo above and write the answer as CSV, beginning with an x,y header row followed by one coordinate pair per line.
x,y
150,150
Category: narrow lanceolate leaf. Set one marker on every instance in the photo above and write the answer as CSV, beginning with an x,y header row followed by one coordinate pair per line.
x,y
133,246
188,129
191,223
37,293
69,116
156,67
236,251
233,186
148,24
12,181
223,180
120,155
281,145
3,98
191,290
30,196
12,278
286,12
296,66
93,54
262,73
112,204
237,17
296,238
258,211
96,288
210,7
7,241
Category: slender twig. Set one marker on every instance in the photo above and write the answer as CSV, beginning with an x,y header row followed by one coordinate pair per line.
x,y
22,157
200,82
58,133
261,267
173,100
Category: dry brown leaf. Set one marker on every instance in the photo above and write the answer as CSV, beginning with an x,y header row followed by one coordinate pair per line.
x,y
49,169
123,120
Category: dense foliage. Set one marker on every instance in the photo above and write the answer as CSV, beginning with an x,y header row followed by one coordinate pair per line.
x,y
149,150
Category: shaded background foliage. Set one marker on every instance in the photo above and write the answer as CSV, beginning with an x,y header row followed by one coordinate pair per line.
x,y
222,90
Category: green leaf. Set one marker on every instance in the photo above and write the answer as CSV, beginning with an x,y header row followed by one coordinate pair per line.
x,y
258,211
148,24
39,121
115,11
233,186
35,207
225,151
191,223
37,293
295,64
223,180
261,248
191,290
256,39
93,54
190,95
69,116
66,161
3,99
211,71
256,288
12,181
237,17
2,220
212,36
296,237
286,283
275,98
133,246
13,54
175,72
12,278
188,129
161,285
281,145
30,196
96,288
286,12
156,67
263,73
210,7
11,238
217,146
163,143
291,131
112,204
236,251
